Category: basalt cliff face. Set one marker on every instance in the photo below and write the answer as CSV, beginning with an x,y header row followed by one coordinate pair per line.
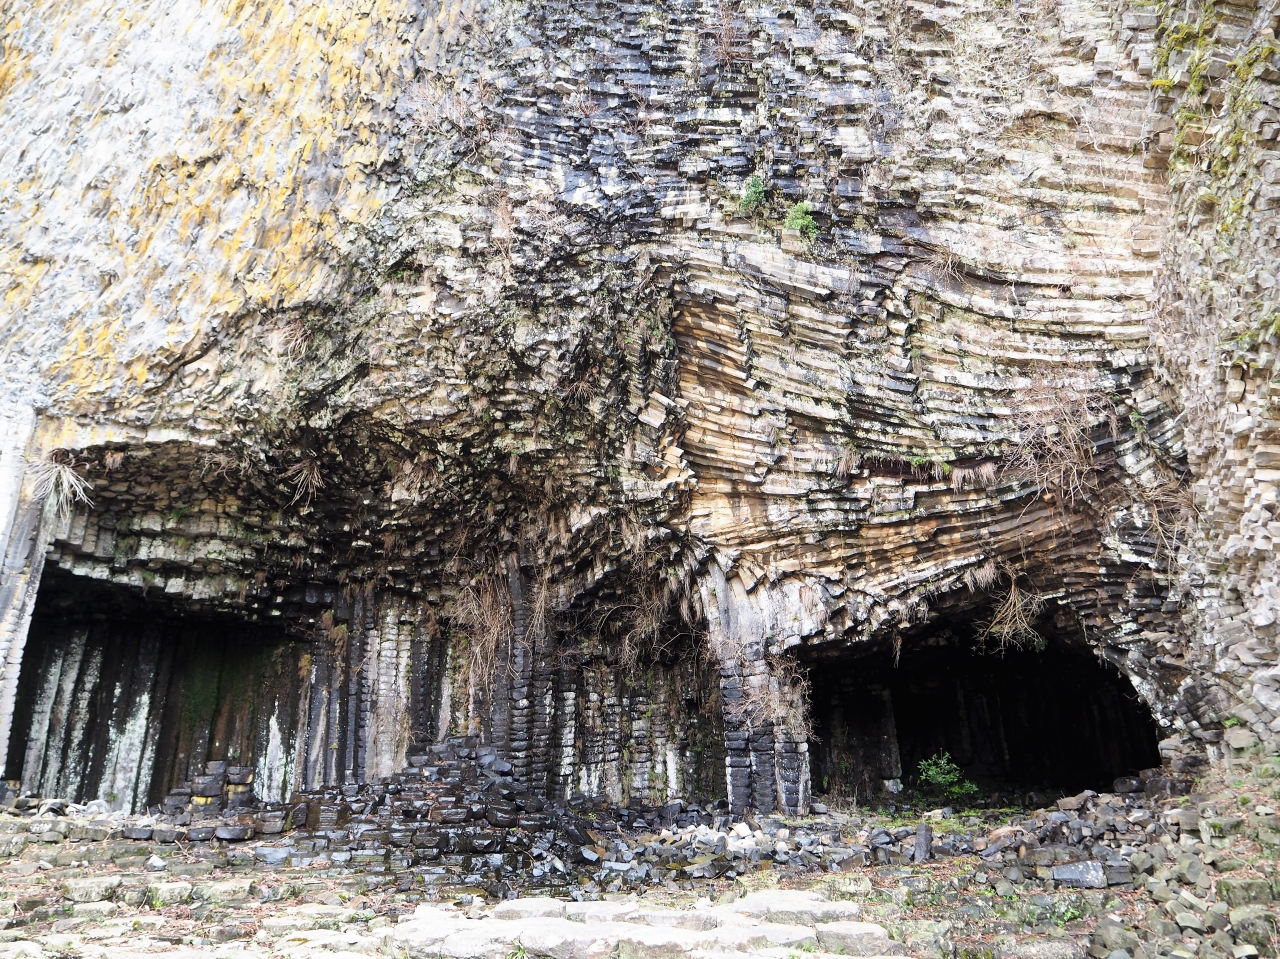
x,y
631,387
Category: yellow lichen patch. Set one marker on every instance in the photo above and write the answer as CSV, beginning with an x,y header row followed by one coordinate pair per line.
x,y
14,60
193,160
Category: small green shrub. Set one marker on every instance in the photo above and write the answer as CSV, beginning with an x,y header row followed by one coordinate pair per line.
x,y
940,777
800,218
752,195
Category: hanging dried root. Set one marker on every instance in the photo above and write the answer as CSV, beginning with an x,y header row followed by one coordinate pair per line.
x,y
1012,623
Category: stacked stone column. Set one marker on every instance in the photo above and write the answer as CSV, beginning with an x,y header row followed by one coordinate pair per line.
x,y
23,539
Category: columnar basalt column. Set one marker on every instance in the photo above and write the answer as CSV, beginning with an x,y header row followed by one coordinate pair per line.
x,y
766,764
23,538
386,677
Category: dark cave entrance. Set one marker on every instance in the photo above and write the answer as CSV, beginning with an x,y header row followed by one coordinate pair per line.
x,y
1056,721
125,698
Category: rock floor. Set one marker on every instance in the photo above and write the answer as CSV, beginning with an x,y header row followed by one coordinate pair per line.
x,y
1099,876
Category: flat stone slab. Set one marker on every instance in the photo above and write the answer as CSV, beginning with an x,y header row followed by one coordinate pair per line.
x,y
327,943
225,892
93,889
636,934
306,917
1081,875
529,908
96,911
479,939
857,939
1042,949
792,906
598,911
678,918
161,894
783,954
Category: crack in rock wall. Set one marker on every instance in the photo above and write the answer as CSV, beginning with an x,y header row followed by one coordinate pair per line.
x,y
617,354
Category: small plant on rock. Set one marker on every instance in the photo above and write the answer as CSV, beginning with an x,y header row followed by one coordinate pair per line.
x,y
800,218
939,777
753,195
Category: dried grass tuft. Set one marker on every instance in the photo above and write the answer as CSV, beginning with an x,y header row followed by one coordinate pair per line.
x,y
482,615
503,232
286,342
1055,418
582,104
982,476
412,481
729,35
581,385
540,610
981,578
306,479
655,590
435,108
944,264
57,481
1173,513
778,700
222,462
849,461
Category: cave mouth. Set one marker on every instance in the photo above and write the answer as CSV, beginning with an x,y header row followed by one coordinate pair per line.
x,y
1053,721
125,698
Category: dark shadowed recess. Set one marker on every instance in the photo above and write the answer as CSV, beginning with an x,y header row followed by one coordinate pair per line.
x,y
1058,719
123,697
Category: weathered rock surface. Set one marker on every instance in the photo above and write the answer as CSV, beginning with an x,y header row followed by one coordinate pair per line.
x,y
456,351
